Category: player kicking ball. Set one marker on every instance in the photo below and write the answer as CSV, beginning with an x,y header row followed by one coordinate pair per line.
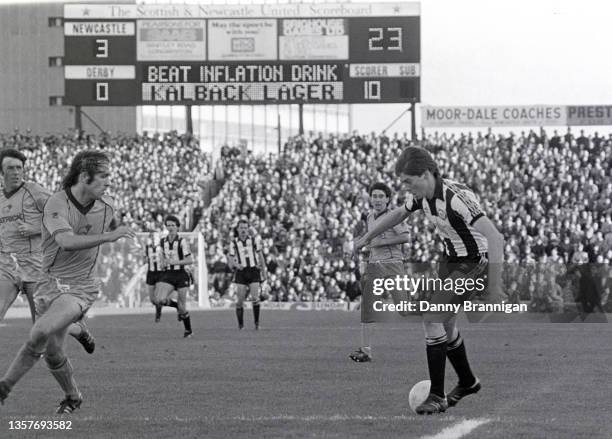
x,y
472,244
75,222
21,209
175,254
386,260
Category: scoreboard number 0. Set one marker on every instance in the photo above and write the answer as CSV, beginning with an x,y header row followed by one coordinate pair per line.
x,y
376,38
102,91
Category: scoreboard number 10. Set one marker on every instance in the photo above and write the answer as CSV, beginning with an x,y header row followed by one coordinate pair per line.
x,y
376,38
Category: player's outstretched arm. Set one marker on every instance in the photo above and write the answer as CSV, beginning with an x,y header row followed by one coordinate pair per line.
x,y
385,222
67,240
393,240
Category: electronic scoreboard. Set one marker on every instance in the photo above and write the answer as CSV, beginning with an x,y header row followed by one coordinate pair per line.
x,y
153,54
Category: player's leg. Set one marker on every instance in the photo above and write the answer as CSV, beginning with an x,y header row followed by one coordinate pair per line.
x,y
182,311
29,288
364,352
62,371
83,335
62,311
392,271
457,355
152,298
436,347
241,292
168,300
254,288
8,294
162,291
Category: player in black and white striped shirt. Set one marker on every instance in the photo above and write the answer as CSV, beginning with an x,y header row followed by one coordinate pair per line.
x,y
246,257
176,254
471,243
154,259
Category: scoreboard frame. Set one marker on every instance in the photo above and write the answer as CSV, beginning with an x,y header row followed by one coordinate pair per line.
x,y
127,54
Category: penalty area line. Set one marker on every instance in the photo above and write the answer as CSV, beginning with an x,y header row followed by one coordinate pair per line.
x,y
458,430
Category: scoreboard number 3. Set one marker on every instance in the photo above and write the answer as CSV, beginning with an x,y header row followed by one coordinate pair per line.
x,y
101,48
376,38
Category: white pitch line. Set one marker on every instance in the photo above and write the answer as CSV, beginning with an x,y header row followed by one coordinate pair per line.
x,y
273,418
458,430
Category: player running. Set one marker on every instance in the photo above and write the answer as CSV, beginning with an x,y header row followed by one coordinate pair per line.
x,y
176,254
386,260
75,222
154,260
246,257
471,243
21,209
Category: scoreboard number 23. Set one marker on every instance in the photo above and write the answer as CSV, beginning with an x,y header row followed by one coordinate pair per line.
x,y
380,38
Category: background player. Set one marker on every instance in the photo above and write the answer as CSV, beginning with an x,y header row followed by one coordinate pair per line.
x,y
470,240
21,208
386,259
76,221
246,257
176,254
155,262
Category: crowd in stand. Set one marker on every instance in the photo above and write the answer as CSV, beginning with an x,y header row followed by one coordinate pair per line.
x,y
154,175
550,196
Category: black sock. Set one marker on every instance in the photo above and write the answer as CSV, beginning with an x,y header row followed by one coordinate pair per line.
x,y
436,362
186,321
256,314
240,316
457,355
170,303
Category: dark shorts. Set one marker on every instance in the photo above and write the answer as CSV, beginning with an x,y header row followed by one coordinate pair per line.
x,y
176,278
247,276
379,270
153,277
468,276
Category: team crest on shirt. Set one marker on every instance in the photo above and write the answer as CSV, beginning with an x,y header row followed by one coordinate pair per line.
x,y
442,214
8,208
55,215
84,230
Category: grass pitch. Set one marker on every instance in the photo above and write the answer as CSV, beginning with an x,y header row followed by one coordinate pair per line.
x,y
293,379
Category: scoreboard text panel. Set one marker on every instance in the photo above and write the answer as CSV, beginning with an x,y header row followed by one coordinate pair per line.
x,y
241,54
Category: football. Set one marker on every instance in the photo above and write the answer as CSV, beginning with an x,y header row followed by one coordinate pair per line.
x,y
418,394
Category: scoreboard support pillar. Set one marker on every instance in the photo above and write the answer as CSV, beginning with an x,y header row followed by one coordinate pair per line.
x,y
78,118
301,119
278,127
188,120
413,133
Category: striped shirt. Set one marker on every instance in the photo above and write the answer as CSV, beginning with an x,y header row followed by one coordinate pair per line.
x,y
153,255
175,249
246,251
454,209
387,253
63,213
23,205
